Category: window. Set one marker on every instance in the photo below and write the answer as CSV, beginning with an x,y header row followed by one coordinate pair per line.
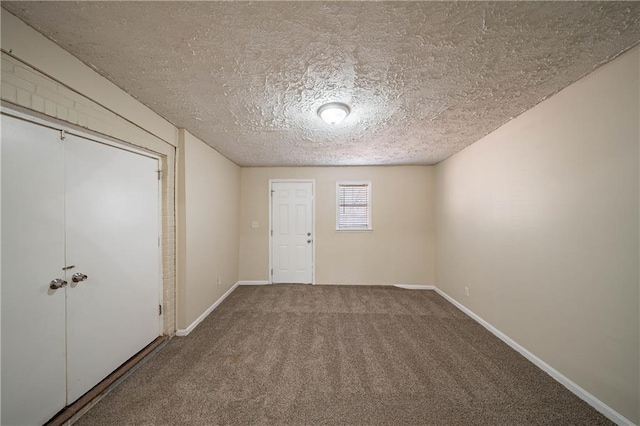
x,y
353,206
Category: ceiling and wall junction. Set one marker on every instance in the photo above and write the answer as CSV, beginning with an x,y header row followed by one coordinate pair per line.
x,y
423,79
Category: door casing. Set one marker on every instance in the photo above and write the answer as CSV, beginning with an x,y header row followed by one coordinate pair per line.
x,y
313,220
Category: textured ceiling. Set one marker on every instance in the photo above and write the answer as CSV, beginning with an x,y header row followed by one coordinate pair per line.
x,y
423,79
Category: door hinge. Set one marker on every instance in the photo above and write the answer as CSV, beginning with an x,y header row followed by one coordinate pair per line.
x,y
63,134
272,232
272,272
159,309
272,191
159,174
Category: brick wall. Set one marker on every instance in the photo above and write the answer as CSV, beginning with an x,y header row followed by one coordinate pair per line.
x,y
22,85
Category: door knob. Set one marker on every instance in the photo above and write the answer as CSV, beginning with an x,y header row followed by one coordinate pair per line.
x,y
309,241
308,234
57,283
78,277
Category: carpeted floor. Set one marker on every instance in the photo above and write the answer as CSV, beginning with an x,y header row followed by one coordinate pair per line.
x,y
300,354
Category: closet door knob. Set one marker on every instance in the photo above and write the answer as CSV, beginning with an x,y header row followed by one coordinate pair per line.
x,y
57,283
78,277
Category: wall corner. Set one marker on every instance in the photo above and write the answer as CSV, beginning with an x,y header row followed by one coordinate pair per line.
x,y
181,234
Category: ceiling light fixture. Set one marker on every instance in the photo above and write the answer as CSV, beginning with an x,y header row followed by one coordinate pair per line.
x,y
334,112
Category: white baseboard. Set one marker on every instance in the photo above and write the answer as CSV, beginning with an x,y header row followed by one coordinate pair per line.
x,y
253,282
603,408
415,287
186,331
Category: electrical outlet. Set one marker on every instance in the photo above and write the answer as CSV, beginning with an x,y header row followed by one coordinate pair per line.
x,y
466,292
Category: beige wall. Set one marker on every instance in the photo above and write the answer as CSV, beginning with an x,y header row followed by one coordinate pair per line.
x,y
540,220
398,250
208,227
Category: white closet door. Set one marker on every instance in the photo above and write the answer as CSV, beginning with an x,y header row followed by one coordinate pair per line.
x,y
33,315
112,237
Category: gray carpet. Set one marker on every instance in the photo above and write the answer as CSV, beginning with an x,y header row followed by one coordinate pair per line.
x,y
299,354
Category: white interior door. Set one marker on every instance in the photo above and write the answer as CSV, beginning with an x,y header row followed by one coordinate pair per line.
x,y
33,315
112,237
292,226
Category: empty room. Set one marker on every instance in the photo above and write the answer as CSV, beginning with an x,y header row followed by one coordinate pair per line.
x,y
320,212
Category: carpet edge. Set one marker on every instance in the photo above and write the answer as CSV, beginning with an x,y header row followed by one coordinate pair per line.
x,y
581,393
194,324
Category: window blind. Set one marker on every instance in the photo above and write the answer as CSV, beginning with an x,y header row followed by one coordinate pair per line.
x,y
353,206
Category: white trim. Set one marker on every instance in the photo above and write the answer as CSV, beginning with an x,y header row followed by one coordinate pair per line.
x,y
54,123
161,252
313,220
253,283
603,408
186,331
415,287
314,236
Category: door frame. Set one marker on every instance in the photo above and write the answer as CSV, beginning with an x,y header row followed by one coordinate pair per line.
x,y
55,124
313,224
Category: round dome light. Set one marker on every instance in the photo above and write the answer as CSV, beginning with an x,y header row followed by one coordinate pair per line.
x,y
334,112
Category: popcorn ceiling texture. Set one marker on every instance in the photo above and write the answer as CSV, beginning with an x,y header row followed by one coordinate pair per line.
x,y
423,79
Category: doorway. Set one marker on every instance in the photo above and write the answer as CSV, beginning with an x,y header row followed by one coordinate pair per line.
x,y
292,231
81,276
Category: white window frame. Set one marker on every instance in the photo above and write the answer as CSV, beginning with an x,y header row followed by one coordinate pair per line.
x,y
369,198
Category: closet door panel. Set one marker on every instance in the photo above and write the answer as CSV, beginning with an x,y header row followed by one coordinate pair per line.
x,y
33,315
112,237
